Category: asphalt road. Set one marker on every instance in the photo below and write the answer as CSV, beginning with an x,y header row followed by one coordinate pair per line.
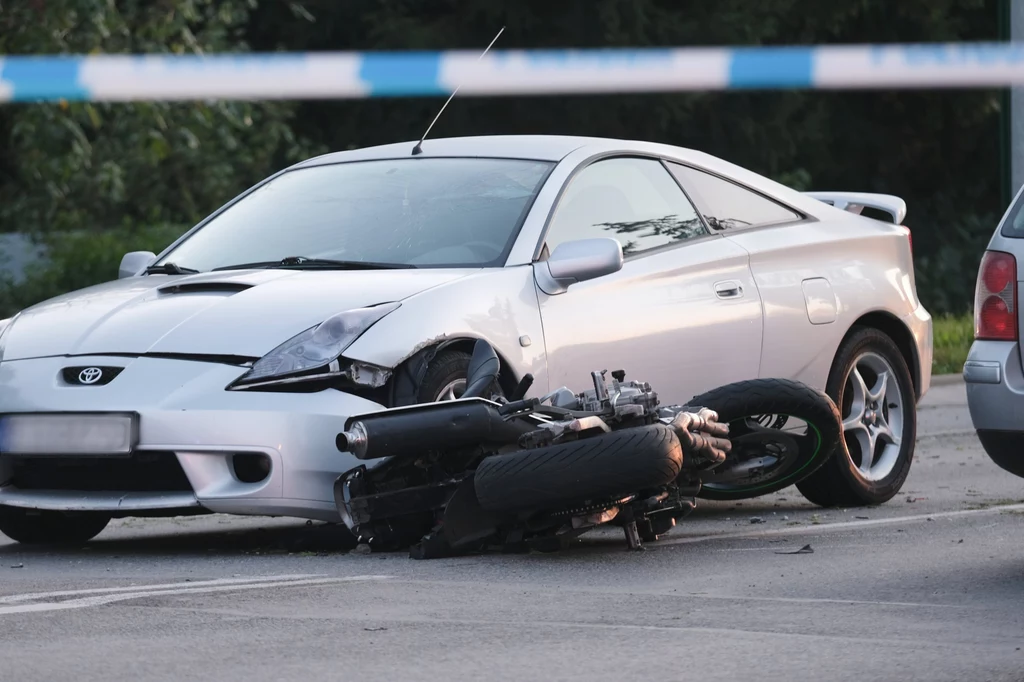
x,y
927,587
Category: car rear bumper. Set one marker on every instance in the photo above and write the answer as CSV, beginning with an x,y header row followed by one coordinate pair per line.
x,y
197,442
995,398
920,325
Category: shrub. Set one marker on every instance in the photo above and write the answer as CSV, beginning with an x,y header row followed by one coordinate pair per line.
x,y
78,260
952,339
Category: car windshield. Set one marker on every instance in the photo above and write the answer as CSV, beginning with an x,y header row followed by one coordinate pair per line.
x,y
416,212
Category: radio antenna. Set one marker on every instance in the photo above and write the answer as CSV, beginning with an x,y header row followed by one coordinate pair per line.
x,y
418,149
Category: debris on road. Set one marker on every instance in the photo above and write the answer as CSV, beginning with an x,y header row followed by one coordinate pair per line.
x,y
756,519
18,566
806,549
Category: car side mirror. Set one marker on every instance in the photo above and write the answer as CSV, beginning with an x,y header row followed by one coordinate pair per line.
x,y
133,262
578,261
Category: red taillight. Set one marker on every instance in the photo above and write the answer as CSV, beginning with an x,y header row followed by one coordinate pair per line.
x,y
910,238
995,298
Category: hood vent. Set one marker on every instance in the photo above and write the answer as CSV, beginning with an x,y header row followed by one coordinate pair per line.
x,y
205,288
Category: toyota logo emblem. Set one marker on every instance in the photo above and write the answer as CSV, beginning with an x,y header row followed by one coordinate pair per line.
x,y
90,375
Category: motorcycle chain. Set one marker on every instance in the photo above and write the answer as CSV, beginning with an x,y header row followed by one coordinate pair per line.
x,y
584,510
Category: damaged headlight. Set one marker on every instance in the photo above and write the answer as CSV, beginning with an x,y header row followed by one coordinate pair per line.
x,y
314,352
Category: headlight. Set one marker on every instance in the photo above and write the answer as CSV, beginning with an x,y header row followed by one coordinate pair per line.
x,y
308,354
4,326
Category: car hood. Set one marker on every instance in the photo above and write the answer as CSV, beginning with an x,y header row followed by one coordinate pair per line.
x,y
240,313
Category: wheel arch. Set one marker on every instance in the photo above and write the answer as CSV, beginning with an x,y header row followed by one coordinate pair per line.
x,y
507,378
408,368
895,329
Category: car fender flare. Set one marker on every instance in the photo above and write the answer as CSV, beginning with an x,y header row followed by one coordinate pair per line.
x,y
897,330
408,374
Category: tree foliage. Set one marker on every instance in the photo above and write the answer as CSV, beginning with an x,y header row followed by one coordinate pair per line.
x,y
69,166
85,166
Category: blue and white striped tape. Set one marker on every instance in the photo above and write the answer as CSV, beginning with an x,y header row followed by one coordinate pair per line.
x,y
356,75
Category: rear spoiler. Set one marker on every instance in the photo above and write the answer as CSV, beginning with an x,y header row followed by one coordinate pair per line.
x,y
855,202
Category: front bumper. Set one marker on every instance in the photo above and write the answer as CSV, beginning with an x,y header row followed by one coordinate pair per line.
x,y
190,424
995,397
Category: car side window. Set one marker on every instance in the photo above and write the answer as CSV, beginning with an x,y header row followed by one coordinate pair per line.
x,y
725,205
633,200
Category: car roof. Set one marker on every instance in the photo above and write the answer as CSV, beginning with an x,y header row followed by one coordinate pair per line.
x,y
554,148
534,147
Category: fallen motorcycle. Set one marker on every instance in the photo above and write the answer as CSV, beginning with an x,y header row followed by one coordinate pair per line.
x,y
516,474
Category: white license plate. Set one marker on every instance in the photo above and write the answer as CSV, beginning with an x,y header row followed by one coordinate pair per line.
x,y
68,434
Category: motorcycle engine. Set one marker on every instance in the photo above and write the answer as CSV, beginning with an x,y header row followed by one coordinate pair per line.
x,y
624,398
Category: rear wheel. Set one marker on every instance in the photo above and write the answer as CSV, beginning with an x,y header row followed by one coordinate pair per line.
x,y
781,431
597,469
39,527
875,392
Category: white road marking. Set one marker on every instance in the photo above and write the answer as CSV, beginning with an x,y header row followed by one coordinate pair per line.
x,y
100,600
815,600
15,598
956,433
661,594
842,525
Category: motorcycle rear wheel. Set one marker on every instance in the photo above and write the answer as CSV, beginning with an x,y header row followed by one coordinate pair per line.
x,y
600,468
774,458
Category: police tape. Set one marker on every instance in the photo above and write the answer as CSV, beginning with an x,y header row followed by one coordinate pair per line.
x,y
359,75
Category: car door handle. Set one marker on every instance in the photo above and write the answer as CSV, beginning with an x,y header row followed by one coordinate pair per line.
x,y
730,289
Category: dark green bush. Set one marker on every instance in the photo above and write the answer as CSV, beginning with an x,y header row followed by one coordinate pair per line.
x,y
78,260
947,272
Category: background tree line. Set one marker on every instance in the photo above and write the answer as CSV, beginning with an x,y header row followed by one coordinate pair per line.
x,y
113,177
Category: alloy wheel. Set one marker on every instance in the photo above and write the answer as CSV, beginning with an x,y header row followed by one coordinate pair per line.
x,y
873,416
453,390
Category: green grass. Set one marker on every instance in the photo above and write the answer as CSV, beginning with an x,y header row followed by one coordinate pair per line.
x,y
951,342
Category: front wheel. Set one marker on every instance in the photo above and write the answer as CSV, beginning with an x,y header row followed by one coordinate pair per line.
x,y
39,527
446,378
781,432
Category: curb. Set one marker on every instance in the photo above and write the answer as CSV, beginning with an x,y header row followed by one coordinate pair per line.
x,y
947,379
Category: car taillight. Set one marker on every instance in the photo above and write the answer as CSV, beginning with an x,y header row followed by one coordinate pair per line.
x,y
995,298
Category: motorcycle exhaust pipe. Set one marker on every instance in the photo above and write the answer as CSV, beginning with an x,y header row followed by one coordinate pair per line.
x,y
438,426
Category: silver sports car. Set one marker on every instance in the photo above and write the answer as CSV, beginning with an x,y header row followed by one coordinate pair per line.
x,y
216,376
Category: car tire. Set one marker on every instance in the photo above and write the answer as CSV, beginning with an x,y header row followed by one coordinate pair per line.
x,y
846,479
446,378
36,527
590,470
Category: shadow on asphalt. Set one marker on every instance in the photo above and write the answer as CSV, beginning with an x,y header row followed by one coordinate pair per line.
x,y
298,539
328,539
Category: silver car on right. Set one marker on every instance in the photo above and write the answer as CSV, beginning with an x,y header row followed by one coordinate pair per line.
x,y
994,370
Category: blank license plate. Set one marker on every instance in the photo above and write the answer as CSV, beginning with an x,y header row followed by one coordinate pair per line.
x,y
68,434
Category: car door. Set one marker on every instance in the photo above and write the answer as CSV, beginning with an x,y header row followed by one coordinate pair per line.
x,y
792,260
683,312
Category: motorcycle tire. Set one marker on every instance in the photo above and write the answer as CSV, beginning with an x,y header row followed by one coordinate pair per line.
x,y
741,404
596,469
